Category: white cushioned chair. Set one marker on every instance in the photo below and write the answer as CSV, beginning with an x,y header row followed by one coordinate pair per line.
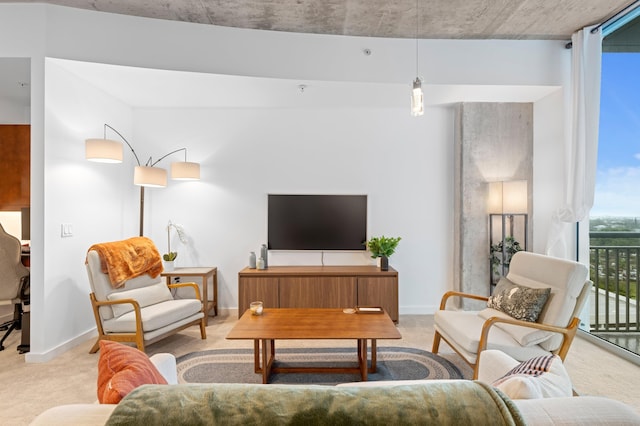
x,y
143,310
471,332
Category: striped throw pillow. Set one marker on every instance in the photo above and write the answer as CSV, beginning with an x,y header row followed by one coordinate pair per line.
x,y
540,377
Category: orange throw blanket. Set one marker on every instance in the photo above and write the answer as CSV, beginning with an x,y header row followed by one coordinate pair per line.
x,y
127,259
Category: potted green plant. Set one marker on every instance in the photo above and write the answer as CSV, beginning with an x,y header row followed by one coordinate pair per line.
x,y
383,247
500,256
171,256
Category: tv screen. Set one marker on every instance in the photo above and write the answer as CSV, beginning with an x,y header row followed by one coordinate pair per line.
x,y
317,222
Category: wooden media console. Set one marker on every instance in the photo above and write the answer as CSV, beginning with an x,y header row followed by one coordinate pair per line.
x,y
319,287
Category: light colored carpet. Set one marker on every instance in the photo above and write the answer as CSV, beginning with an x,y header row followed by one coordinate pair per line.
x,y
28,389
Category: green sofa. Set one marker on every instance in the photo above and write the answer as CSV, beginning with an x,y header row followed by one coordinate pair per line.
x,y
437,402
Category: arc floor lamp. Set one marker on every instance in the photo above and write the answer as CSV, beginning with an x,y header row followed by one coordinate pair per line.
x,y
110,151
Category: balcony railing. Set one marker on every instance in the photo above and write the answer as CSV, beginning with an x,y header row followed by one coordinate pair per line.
x,y
614,262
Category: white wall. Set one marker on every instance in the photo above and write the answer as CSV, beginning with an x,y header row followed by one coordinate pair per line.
x,y
96,200
248,153
10,114
415,202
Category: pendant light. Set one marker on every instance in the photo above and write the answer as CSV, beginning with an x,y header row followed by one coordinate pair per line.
x,y
417,98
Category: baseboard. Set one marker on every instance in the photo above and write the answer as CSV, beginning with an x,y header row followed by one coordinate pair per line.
x,y
228,312
418,310
32,357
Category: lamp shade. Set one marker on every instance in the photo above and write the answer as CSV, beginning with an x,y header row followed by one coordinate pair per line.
x,y
494,202
103,150
150,176
508,197
184,170
514,196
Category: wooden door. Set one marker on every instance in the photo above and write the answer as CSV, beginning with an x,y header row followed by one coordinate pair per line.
x,y
318,292
251,289
379,291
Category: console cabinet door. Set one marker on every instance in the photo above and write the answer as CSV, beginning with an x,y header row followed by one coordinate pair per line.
x,y
318,292
251,289
379,291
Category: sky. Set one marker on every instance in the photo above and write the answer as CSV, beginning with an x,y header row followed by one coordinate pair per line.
x,y
617,190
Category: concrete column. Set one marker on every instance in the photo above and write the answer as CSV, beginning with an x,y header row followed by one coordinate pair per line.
x,y
493,142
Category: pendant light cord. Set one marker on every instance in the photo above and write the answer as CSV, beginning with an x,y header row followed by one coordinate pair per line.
x,y
417,30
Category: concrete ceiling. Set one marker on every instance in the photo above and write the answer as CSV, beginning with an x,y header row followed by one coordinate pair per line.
x,y
454,19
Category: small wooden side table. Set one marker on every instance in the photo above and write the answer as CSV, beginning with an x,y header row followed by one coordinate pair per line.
x,y
205,273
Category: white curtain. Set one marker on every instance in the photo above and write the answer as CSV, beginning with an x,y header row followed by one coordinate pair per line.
x,y
581,146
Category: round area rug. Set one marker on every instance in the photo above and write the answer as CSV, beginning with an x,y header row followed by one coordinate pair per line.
x,y
236,366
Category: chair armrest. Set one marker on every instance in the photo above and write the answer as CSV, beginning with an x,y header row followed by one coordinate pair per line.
x,y
194,285
97,303
136,305
166,365
493,364
581,410
447,295
568,332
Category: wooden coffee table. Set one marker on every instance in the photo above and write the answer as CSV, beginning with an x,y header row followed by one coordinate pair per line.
x,y
312,324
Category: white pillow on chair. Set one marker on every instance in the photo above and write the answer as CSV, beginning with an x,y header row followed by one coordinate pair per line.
x,y
540,377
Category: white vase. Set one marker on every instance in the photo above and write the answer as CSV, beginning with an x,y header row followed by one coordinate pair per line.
x,y
168,265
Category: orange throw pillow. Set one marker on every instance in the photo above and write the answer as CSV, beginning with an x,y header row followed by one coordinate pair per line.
x,y
121,369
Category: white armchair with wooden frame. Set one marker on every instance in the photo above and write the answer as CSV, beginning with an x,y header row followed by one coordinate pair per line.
x,y
142,309
556,320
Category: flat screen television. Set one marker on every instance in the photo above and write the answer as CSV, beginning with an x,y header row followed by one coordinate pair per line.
x,y
317,222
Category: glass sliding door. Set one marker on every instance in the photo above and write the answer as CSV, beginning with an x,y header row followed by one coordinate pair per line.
x,y
614,225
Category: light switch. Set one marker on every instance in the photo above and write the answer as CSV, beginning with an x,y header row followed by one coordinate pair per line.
x,y
67,230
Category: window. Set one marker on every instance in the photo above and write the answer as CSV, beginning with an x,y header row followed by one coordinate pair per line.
x,y
615,218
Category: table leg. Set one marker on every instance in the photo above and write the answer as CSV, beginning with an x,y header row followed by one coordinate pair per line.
x,y
205,299
268,355
362,358
265,363
374,356
265,349
215,292
256,356
273,351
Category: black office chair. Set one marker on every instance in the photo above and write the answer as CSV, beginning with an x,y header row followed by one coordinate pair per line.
x,y
14,282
